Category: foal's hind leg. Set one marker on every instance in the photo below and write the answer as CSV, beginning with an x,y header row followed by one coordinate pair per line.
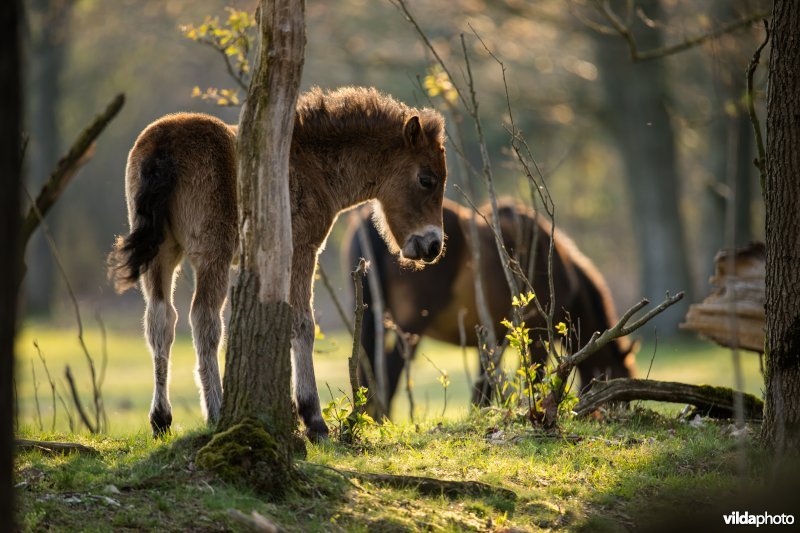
x,y
211,288
159,328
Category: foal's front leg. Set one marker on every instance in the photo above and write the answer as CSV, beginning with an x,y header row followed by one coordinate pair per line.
x,y
305,384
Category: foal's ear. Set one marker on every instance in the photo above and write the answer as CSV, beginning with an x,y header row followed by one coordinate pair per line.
x,y
413,133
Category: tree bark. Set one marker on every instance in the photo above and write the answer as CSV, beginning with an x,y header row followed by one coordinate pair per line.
x,y
638,121
10,179
50,21
258,366
781,427
717,402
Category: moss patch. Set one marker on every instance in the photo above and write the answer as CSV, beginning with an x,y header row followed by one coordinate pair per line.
x,y
245,454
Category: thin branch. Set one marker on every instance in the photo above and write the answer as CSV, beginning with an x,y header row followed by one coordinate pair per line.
x,y
366,366
620,329
761,161
624,30
77,400
49,380
358,276
68,165
98,401
36,397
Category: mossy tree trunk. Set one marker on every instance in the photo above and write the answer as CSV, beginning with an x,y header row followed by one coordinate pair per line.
x,y
258,365
781,427
10,129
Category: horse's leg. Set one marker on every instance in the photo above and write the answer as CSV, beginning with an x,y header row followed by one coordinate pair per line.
x,y
211,289
395,365
305,384
160,318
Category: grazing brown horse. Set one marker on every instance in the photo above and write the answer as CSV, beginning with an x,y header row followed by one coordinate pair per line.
x,y
427,302
349,146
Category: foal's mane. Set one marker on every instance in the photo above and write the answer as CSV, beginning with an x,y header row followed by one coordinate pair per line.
x,y
350,112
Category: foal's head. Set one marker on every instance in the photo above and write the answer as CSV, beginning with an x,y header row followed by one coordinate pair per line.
x,y
410,214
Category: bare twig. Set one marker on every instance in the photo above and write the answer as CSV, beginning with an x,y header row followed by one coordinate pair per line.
x,y
77,401
760,161
623,28
358,276
462,337
65,405
49,380
363,360
621,328
98,401
445,380
404,339
78,154
36,397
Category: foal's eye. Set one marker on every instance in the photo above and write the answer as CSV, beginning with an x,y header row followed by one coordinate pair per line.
x,y
427,181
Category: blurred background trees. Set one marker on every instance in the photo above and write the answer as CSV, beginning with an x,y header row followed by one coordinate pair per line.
x,y
640,157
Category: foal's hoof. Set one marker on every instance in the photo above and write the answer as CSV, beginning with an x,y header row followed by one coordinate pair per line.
x,y
160,421
317,431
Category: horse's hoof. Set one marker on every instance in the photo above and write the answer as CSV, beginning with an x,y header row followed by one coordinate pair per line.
x,y
317,431
160,422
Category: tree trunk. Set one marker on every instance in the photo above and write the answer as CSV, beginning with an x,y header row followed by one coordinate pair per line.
x,y
731,150
258,364
10,135
781,427
47,51
637,118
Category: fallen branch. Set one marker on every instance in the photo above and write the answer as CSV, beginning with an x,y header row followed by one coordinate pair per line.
x,y
80,152
553,399
716,402
435,487
54,447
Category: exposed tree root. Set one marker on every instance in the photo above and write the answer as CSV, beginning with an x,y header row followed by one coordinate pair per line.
x,y
54,447
716,402
434,487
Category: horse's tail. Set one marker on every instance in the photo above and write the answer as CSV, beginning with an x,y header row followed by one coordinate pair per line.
x,y
133,254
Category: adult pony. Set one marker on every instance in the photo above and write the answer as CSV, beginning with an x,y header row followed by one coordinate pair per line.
x,y
349,146
427,302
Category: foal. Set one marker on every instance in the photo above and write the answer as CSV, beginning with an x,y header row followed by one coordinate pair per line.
x,y
349,146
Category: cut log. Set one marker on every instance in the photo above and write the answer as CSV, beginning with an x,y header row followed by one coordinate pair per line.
x,y
733,314
715,402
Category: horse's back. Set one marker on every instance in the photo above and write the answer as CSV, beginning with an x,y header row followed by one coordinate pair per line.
x,y
199,150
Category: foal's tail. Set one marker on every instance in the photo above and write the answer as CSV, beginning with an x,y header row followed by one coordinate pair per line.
x,y
133,254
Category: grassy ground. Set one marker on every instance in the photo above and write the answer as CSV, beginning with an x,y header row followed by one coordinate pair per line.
x,y
127,386
620,474
606,475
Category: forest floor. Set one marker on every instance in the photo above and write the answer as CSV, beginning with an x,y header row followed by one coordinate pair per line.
x,y
634,470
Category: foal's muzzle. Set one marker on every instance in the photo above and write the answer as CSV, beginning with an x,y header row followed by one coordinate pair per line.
x,y
424,245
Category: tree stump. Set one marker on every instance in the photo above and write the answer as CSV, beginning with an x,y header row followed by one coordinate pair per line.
x,y
733,314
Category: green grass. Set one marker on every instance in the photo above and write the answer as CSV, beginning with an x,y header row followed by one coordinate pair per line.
x,y
613,478
127,387
619,473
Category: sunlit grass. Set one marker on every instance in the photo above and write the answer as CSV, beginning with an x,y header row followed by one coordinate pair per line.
x,y
127,386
